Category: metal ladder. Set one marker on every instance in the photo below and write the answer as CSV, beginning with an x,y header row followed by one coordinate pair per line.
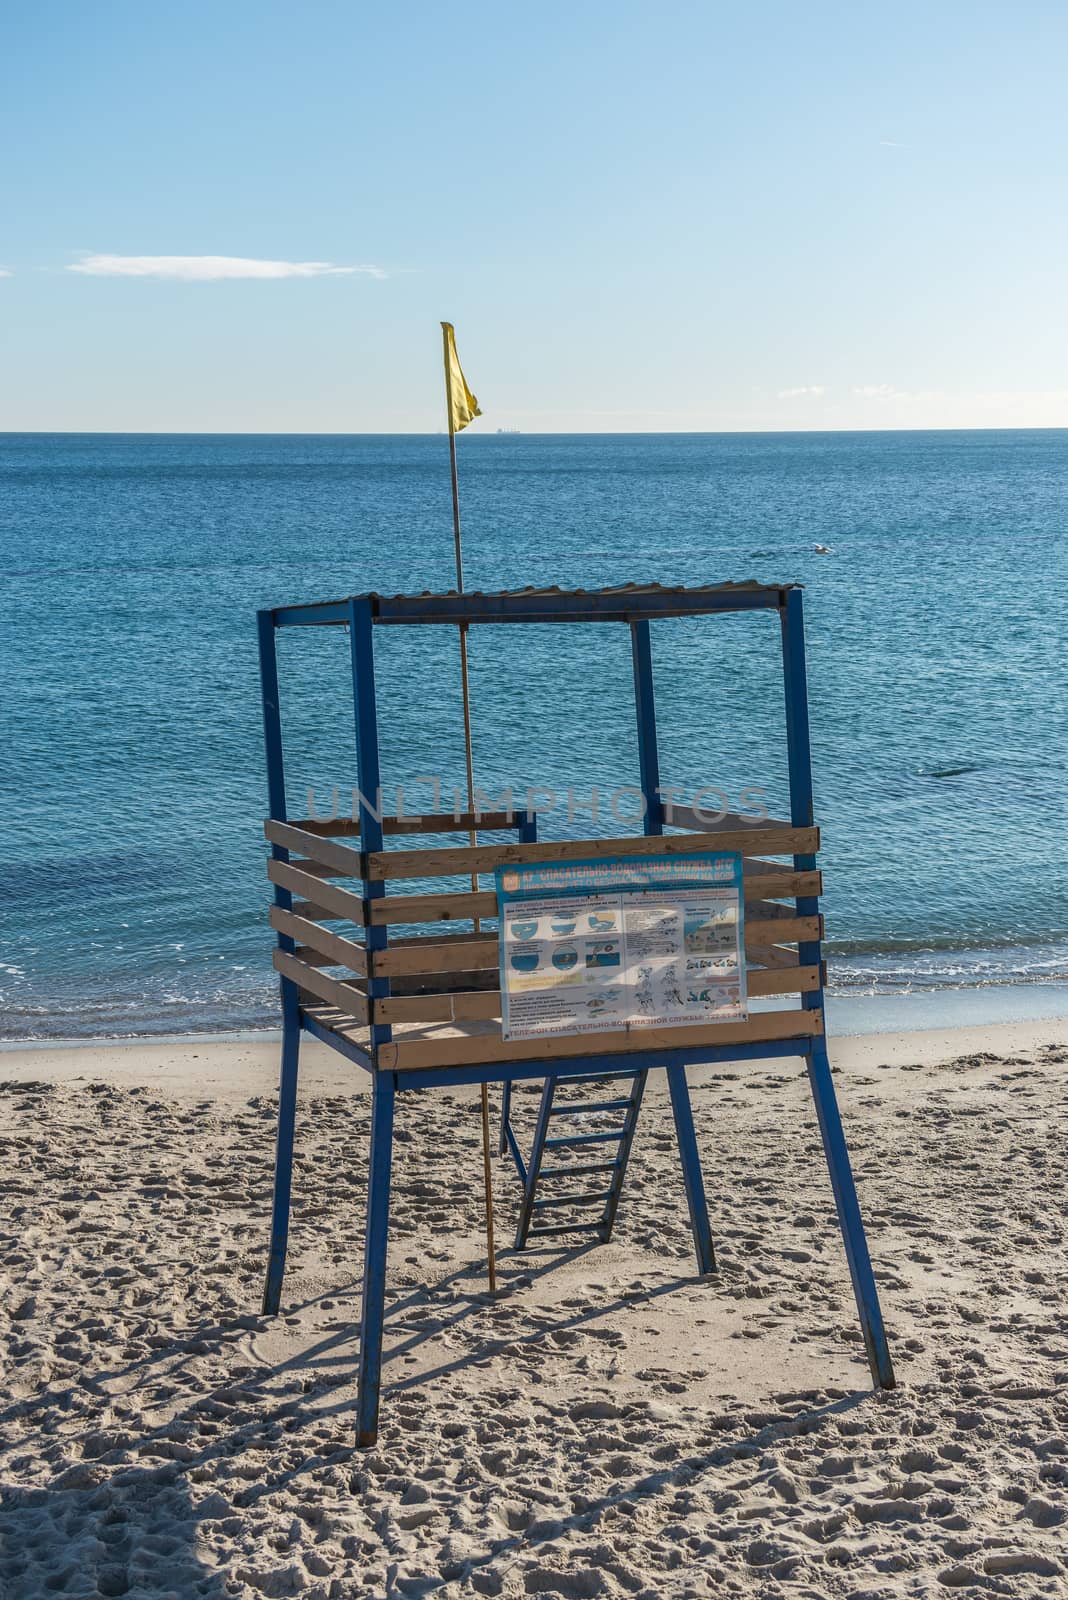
x,y
573,1186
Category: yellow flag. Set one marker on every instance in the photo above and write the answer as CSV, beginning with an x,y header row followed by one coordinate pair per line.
x,y
461,402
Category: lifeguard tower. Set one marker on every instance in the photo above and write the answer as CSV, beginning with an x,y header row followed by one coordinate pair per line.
x,y
419,1011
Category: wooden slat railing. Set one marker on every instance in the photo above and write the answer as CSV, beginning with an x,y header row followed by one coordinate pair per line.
x,y
429,822
475,1049
485,1005
386,864
347,997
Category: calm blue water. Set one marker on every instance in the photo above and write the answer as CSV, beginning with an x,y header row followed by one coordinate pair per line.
x,y
132,881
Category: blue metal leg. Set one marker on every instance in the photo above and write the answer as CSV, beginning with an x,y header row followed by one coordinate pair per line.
x,y
645,712
691,1169
810,954
537,1150
849,1218
283,1161
506,1112
369,1375
287,1087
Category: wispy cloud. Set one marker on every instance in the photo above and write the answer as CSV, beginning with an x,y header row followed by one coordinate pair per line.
x,y
878,391
892,144
803,392
5,272
208,269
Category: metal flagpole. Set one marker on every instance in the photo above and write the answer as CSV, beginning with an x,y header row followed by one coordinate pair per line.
x,y
487,1170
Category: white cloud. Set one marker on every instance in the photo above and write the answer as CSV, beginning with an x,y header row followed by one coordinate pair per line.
x,y
806,390
892,144
878,391
6,273
206,269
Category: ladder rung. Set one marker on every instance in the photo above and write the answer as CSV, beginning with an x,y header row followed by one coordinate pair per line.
x,y
572,1200
564,1227
577,1171
585,1138
566,1108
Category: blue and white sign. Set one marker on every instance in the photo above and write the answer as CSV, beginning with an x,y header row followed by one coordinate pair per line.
x,y
620,942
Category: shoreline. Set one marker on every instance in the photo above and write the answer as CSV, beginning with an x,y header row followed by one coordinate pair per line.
x,y
849,1016
236,1067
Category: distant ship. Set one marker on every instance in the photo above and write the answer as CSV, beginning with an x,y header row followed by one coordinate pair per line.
x,y
508,430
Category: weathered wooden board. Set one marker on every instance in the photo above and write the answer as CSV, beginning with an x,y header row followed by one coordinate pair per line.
x,y
778,840
346,862
340,903
455,907
455,953
429,822
771,882
687,817
341,952
790,929
776,957
348,997
475,1049
467,1007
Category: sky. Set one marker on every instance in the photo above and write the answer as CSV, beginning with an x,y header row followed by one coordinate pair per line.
x,y
248,217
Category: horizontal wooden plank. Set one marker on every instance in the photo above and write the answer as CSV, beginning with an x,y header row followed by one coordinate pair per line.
x,y
783,930
793,980
775,840
687,817
322,869
432,907
339,902
413,1054
772,883
487,1004
415,908
420,983
777,957
772,880
445,954
314,958
346,862
314,913
457,952
482,1006
767,910
340,952
429,822
348,997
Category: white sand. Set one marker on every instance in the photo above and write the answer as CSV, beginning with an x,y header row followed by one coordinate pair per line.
x,y
611,1425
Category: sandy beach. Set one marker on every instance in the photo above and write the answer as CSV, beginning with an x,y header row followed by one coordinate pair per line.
x,y
610,1425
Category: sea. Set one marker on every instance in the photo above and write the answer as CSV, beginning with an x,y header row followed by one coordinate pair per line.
x,y
935,574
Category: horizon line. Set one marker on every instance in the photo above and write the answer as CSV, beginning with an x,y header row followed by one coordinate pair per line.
x,y
511,433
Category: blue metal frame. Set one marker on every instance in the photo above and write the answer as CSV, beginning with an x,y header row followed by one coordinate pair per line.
x,y
528,833
365,711
379,1171
380,1165
635,607
817,1061
571,1066
692,1177
653,824
645,711
287,1086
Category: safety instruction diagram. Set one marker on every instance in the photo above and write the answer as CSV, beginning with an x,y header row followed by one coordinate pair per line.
x,y
601,945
